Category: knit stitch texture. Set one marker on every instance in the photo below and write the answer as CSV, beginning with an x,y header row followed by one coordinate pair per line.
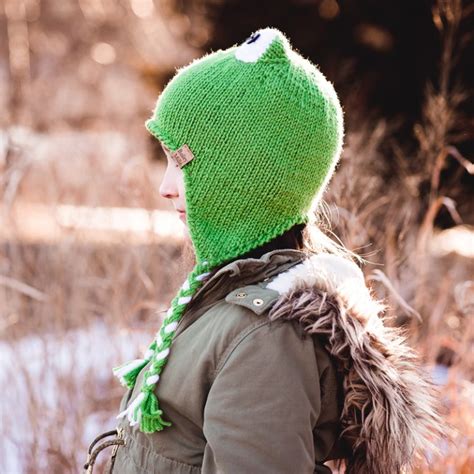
x,y
266,136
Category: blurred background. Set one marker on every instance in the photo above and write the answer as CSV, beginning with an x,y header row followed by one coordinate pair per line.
x,y
90,254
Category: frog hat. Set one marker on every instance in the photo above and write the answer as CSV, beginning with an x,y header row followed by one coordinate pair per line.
x,y
258,131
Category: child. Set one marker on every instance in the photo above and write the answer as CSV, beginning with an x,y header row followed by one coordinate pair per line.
x,y
272,357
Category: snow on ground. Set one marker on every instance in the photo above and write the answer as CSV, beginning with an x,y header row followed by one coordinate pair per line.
x,y
54,385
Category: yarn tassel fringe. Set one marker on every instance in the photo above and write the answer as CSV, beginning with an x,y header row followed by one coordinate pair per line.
x,y
151,419
145,411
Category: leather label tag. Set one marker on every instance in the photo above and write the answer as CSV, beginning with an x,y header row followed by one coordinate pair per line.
x,y
182,156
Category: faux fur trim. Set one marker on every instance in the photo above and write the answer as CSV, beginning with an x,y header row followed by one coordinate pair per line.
x,y
390,414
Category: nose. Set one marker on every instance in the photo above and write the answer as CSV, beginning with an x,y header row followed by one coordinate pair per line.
x,y
167,193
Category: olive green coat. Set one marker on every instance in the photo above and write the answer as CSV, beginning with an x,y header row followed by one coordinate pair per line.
x,y
254,379
244,394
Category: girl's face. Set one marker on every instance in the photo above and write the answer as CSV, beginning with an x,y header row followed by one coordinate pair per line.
x,y
172,186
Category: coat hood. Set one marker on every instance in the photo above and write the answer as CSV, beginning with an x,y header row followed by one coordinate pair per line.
x,y
389,416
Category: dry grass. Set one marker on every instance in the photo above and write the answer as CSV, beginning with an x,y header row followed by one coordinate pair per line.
x,y
393,204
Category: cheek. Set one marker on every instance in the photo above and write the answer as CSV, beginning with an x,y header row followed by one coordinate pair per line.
x,y
181,187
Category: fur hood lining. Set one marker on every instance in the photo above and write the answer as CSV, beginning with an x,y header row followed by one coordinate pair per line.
x,y
389,416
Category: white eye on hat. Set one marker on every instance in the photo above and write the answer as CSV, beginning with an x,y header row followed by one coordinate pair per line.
x,y
254,47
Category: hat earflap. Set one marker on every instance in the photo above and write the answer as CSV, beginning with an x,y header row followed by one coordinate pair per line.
x,y
145,410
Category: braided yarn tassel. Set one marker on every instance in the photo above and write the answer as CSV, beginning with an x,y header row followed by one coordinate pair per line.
x,y
145,410
128,373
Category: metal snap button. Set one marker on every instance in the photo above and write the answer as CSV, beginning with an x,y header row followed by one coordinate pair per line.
x,y
241,294
258,302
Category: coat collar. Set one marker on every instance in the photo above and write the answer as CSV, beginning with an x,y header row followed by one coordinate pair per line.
x,y
247,271
342,276
238,273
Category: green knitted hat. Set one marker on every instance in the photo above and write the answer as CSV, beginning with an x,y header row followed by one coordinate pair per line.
x,y
258,131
